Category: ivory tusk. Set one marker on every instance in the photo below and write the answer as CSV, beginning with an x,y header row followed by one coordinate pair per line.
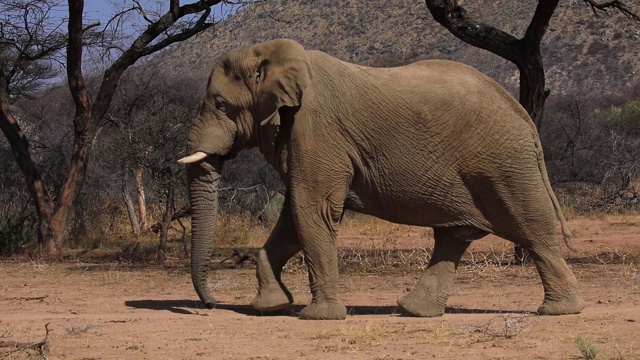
x,y
266,121
193,158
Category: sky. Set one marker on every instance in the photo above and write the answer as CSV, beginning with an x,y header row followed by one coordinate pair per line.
x,y
133,23
102,10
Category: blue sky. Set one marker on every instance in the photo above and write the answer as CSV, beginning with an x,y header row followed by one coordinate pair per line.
x,y
132,23
103,10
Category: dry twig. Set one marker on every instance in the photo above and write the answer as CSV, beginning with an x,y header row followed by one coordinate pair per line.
x,y
42,346
616,4
29,298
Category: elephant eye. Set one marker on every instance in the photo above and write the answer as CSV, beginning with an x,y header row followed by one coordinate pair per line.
x,y
220,104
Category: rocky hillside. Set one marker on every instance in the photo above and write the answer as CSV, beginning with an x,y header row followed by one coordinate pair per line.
x,y
583,54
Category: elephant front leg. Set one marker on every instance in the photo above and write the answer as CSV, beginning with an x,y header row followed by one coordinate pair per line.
x,y
280,247
429,297
316,222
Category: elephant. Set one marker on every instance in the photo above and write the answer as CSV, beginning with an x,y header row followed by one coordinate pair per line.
x,y
435,143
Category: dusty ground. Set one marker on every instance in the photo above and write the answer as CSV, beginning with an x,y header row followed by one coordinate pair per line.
x,y
111,310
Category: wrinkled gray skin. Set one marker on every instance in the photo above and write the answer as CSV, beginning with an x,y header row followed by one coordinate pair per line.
x,y
435,143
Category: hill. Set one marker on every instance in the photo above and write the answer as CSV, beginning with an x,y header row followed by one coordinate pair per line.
x,y
583,54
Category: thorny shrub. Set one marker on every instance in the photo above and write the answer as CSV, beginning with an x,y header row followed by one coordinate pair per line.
x,y
597,145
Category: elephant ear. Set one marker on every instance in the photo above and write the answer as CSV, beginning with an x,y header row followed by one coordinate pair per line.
x,y
282,77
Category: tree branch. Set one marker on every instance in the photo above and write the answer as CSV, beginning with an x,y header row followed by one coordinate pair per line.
x,y
40,346
539,23
74,66
619,5
199,26
455,18
141,47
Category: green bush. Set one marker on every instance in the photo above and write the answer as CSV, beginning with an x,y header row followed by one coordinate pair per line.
x,y
586,347
630,118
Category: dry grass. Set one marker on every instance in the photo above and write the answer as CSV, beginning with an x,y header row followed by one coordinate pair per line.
x,y
241,230
356,338
504,326
78,329
621,262
355,224
29,348
588,350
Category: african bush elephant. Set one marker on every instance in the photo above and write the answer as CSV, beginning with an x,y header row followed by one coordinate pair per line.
x,y
435,143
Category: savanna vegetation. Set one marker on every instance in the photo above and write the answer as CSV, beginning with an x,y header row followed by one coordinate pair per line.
x,y
89,163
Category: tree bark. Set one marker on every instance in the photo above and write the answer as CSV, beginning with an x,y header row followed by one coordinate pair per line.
x,y
22,153
166,218
142,207
83,134
131,210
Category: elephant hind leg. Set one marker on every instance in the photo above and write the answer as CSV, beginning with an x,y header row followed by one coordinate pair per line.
x,y
560,285
430,295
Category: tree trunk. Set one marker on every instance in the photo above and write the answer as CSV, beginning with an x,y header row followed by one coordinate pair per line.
x,y
22,153
166,218
142,207
184,238
532,87
131,210
67,196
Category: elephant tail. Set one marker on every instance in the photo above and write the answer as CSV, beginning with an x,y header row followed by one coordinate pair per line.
x,y
566,233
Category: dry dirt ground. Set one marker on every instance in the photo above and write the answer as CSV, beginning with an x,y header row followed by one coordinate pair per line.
x,y
116,310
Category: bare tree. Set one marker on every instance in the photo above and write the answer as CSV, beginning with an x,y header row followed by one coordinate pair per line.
x,y
152,112
31,33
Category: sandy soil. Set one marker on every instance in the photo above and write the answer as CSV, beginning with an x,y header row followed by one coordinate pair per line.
x,y
113,310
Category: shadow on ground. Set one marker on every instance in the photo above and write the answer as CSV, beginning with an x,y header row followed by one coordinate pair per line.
x,y
190,307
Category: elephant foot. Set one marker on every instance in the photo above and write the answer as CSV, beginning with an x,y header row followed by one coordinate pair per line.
x,y
572,305
324,310
419,303
272,298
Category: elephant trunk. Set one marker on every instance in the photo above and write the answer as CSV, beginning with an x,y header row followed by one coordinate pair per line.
x,y
204,181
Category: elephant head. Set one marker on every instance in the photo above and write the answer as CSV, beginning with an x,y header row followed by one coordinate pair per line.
x,y
245,91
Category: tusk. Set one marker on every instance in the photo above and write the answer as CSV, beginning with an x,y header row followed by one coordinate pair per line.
x,y
266,121
193,158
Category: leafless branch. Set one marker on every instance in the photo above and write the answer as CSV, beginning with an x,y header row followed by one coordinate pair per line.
x,y
29,298
199,26
91,26
615,4
141,10
40,346
115,121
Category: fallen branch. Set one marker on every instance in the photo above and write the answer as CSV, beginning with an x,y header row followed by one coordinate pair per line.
x,y
29,298
41,346
241,257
